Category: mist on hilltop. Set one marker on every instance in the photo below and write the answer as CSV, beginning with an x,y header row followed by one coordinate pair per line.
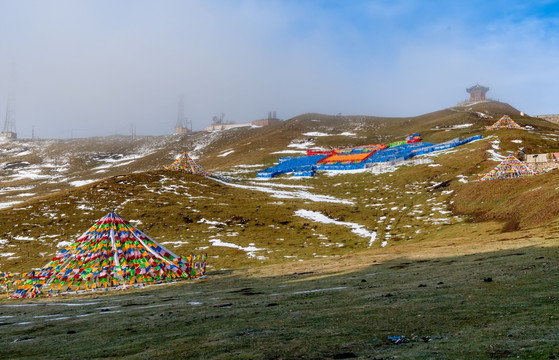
x,y
97,68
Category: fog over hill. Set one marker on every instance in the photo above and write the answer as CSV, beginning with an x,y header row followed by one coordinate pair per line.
x,y
78,69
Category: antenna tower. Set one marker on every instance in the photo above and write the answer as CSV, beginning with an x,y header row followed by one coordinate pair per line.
x,y
10,120
181,128
9,129
180,116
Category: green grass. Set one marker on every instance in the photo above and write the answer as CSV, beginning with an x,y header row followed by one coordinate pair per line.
x,y
317,310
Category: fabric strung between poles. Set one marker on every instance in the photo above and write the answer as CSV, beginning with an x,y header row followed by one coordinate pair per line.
x,y
187,165
511,167
111,254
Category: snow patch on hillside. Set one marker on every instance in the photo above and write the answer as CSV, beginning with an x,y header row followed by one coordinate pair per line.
x,y
210,222
78,183
124,160
355,228
250,166
14,188
495,156
316,133
250,250
289,186
30,173
461,126
174,243
203,142
63,244
23,238
303,145
9,204
227,152
290,152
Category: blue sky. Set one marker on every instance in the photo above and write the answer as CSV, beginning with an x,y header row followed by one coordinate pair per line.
x,y
88,68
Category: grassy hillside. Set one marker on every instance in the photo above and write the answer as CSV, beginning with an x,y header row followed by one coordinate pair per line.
x,y
190,213
431,195
483,298
299,267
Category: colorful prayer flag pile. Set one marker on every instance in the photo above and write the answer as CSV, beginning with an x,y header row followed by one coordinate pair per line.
x,y
185,164
111,254
511,167
504,123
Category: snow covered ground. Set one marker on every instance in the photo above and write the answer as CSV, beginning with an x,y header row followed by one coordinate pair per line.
x,y
55,162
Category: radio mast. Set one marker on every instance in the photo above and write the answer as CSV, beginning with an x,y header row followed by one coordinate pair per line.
x,y
9,129
181,127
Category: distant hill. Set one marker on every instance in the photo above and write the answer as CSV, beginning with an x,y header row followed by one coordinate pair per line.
x,y
411,260
52,190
